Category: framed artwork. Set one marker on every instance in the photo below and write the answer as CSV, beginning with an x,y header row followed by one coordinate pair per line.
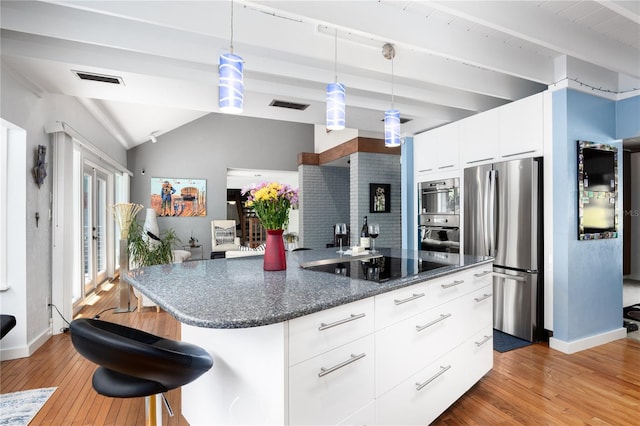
x,y
379,198
597,191
179,197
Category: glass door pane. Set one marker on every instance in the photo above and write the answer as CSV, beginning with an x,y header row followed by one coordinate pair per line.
x,y
100,225
87,233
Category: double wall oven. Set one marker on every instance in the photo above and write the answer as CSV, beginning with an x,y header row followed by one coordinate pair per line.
x,y
439,218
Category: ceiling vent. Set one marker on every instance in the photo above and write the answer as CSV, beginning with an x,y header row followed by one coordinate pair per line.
x,y
402,120
102,78
289,105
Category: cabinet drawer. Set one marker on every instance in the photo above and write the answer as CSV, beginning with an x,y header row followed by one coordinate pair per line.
x,y
317,333
397,305
406,347
363,417
330,387
447,288
480,276
423,397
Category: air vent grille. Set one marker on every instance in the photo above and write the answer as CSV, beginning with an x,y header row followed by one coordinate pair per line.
x,y
402,120
289,105
102,78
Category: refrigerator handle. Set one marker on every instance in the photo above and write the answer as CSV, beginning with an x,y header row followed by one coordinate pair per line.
x,y
493,177
486,213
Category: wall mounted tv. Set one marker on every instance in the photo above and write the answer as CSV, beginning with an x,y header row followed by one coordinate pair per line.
x,y
597,191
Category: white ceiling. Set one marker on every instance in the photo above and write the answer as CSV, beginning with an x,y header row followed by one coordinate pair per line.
x,y
453,58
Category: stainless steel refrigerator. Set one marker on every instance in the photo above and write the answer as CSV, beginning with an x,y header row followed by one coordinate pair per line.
x,y
503,219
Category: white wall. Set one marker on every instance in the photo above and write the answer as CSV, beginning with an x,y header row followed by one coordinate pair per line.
x,y
32,112
323,141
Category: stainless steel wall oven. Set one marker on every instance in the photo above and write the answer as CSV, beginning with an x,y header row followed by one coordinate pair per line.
x,y
439,219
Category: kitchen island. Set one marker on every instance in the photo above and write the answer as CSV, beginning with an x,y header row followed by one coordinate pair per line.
x,y
396,340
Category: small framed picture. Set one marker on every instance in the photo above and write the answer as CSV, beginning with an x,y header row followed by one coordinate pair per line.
x,y
379,198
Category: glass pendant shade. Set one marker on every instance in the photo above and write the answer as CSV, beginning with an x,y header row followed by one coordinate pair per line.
x,y
391,128
335,106
231,88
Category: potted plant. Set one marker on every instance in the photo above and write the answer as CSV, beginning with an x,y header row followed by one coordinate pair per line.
x,y
146,249
193,240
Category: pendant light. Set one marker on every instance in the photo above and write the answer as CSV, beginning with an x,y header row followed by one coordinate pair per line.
x,y
391,116
335,97
231,87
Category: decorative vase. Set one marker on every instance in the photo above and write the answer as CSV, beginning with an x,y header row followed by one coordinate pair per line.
x,y
151,225
274,254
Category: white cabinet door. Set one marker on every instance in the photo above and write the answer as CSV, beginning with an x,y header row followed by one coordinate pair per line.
x,y
424,158
406,347
397,305
314,334
364,417
423,397
437,150
480,138
447,146
522,127
330,387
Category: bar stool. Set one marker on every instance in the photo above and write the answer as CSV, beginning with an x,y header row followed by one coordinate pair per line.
x,y
133,363
7,322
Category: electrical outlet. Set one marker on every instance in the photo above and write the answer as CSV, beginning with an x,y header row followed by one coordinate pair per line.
x,y
47,301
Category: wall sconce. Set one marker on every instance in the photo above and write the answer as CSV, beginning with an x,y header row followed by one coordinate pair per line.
x,y
336,97
391,116
231,86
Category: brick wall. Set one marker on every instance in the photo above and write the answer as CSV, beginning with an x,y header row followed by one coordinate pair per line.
x,y
369,168
324,201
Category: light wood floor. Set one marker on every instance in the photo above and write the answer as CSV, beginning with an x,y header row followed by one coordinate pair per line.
x,y
530,386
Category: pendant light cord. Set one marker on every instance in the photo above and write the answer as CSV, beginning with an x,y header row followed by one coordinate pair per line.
x,y
392,98
231,44
335,59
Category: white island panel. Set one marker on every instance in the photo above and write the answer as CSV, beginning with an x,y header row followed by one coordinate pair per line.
x,y
247,383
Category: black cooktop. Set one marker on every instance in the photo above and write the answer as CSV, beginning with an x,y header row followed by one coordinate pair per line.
x,y
378,269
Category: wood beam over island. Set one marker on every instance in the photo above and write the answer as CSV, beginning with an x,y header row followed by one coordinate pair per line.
x,y
390,339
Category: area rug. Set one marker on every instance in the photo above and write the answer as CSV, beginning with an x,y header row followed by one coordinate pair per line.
x,y
503,342
18,408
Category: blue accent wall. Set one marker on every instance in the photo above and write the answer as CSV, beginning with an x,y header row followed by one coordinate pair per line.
x,y
628,118
408,198
587,275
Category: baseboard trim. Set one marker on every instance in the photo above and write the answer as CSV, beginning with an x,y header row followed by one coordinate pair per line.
x,y
27,350
587,342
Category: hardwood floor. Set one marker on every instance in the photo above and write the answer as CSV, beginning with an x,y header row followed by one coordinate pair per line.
x,y
530,386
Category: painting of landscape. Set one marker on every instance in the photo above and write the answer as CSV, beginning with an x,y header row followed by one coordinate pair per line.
x,y
179,197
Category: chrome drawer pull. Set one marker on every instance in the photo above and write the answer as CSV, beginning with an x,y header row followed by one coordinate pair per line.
x,y
353,317
454,283
483,341
419,386
354,358
408,299
435,321
484,297
482,274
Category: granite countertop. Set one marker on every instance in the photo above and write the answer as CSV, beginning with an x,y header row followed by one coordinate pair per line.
x,y
238,293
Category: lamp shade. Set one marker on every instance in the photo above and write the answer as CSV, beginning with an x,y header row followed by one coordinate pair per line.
x,y
231,88
391,128
335,106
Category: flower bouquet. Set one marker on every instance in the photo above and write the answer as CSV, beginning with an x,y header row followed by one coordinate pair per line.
x,y
271,202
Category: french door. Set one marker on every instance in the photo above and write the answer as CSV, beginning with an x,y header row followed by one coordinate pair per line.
x,y
94,228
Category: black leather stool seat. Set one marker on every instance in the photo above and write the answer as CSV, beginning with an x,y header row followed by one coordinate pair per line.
x,y
7,322
134,363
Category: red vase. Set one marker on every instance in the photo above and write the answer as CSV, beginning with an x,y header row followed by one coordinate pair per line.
x,y
274,255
